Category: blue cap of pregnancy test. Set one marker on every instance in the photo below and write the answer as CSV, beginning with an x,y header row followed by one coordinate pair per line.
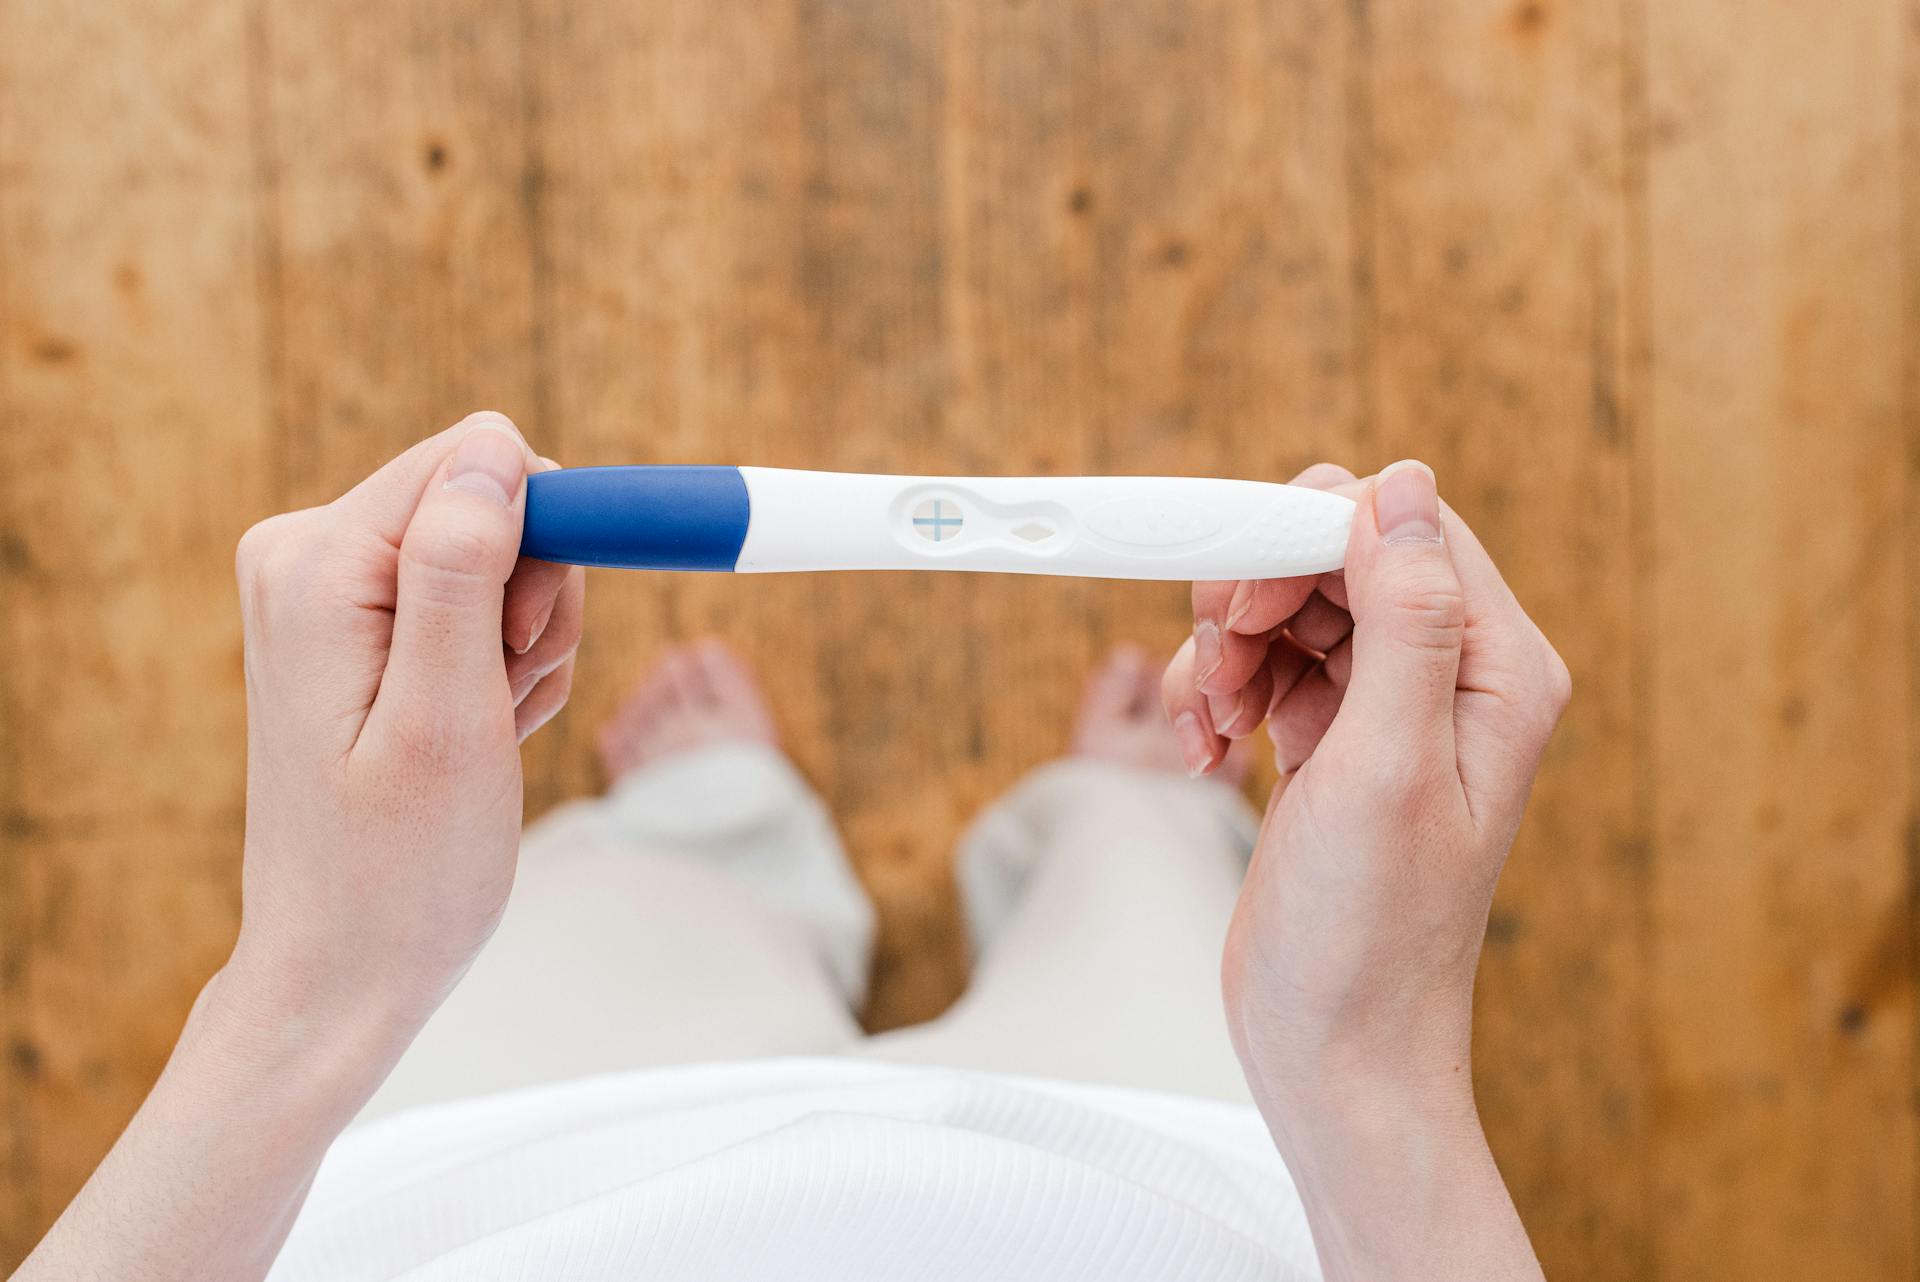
x,y
655,518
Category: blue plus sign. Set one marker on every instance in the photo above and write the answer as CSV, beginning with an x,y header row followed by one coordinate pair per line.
x,y
941,525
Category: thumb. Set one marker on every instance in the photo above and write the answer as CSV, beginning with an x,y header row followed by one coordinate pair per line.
x,y
459,547
1409,612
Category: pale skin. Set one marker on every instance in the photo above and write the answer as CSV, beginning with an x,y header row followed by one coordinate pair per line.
x,y
398,652
1409,701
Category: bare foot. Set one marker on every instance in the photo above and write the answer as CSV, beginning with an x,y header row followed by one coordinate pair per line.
x,y
1121,718
695,696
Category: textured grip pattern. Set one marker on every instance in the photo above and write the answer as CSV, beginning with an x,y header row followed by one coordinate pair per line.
x,y
1288,534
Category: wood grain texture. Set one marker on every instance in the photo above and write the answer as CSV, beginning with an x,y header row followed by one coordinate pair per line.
x,y
133,447
1498,214
1782,1047
1632,287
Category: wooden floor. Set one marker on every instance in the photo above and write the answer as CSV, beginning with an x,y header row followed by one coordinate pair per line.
x,y
1636,277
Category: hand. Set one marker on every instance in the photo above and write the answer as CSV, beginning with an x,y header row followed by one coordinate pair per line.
x,y
397,651
1409,701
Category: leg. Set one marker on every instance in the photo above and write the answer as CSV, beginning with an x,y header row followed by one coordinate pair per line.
x,y
1099,894
702,909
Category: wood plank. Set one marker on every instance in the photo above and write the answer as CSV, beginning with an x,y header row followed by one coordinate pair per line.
x,y
917,241
1783,1031
399,183
741,216
399,201
1227,307
667,137
1628,285
1498,228
135,446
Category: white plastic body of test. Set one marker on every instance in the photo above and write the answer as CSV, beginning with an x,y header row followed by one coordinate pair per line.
x,y
1116,527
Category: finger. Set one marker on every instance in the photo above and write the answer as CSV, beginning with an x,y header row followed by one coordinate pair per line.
x,y
1334,587
1210,601
558,640
1324,476
1503,653
1186,707
1301,718
1238,714
445,668
1495,616
1259,605
1240,657
385,502
1409,618
546,699
1338,665
532,592
1512,686
1319,625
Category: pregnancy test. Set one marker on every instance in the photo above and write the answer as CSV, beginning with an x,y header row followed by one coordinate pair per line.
x,y
757,520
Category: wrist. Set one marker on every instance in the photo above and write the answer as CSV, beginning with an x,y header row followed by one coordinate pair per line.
x,y
315,1050
1394,1172
1412,1052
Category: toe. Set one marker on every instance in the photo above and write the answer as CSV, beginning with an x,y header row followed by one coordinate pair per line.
x,y
1144,702
1103,703
688,681
736,694
658,708
615,750
1112,688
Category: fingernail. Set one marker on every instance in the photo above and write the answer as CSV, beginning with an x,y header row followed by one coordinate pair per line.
x,y
539,626
1241,603
523,687
490,463
1406,505
1206,650
1226,711
1196,747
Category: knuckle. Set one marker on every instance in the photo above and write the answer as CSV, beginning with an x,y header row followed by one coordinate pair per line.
x,y
452,548
1429,611
1559,681
269,561
259,544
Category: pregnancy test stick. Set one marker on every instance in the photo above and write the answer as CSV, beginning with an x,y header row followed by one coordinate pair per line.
x,y
755,520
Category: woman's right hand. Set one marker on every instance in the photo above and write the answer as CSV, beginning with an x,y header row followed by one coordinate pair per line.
x,y
1409,700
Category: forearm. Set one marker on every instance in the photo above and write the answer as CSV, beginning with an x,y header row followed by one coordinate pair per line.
x,y
207,1178
1398,1182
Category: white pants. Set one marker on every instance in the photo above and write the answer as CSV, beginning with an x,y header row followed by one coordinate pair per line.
x,y
704,910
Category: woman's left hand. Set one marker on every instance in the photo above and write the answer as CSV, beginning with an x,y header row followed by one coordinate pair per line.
x,y
397,651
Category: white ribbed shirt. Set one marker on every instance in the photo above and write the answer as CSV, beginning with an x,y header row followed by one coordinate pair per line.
x,y
805,1169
